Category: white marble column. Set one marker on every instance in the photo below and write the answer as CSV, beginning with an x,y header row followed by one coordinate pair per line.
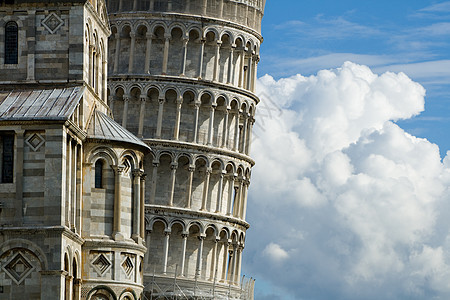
x,y
173,176
148,52
211,124
216,69
213,261
176,131
250,134
166,251
244,199
244,132
220,192
241,67
184,237
126,100
154,179
142,205
200,64
136,216
249,73
160,118
201,238
166,53
230,65
225,261
225,129
189,191
132,50
231,179
152,5
236,132
142,117
117,54
183,61
196,112
117,234
206,188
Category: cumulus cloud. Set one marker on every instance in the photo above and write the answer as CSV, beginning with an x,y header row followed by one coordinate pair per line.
x,y
344,203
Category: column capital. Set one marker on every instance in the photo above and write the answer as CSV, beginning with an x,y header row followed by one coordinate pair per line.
x,y
143,98
126,98
132,34
191,168
117,36
155,163
180,100
167,232
138,172
173,166
167,36
161,101
201,236
208,170
150,35
219,43
118,169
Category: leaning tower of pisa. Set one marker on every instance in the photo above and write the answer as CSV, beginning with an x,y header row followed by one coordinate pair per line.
x,y
182,78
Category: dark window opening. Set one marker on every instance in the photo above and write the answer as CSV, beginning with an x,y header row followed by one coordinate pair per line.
x,y
11,43
99,174
7,163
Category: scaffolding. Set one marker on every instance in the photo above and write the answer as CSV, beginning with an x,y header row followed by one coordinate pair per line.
x,y
173,287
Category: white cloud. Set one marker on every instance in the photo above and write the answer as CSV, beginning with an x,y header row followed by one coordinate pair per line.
x,y
360,204
275,252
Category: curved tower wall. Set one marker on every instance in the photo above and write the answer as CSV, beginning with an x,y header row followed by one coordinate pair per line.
x,y
182,77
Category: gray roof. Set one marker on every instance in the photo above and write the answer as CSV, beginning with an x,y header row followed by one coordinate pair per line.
x,y
102,127
39,104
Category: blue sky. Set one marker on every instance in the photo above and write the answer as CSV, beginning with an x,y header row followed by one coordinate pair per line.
x,y
350,195
410,36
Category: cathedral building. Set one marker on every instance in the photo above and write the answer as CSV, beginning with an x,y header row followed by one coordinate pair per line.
x,y
125,132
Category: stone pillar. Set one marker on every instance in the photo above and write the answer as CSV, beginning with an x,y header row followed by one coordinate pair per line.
x,y
111,100
132,49
231,179
154,178
206,188
230,65
220,192
211,124
166,53
166,250
117,235
68,202
237,200
250,133
244,132
236,133
225,129
136,216
213,261
147,245
160,118
142,205
148,52
121,4
152,5
230,265
183,61
238,265
117,54
222,3
176,131
19,170
249,73
189,192
225,261
76,289
200,66
244,199
184,237
174,167
216,62
135,5
201,238
141,117
196,112
79,189
126,100
241,67
74,187
104,79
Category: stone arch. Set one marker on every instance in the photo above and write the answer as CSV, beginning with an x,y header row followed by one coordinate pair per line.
x,y
182,179
103,152
164,181
176,49
216,168
193,49
142,30
103,292
206,100
199,192
220,120
157,236
125,32
159,31
211,36
128,294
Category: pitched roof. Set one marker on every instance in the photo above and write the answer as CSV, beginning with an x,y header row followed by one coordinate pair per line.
x,y
102,127
39,104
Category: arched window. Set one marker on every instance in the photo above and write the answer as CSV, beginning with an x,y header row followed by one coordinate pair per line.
x,y
11,43
99,174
